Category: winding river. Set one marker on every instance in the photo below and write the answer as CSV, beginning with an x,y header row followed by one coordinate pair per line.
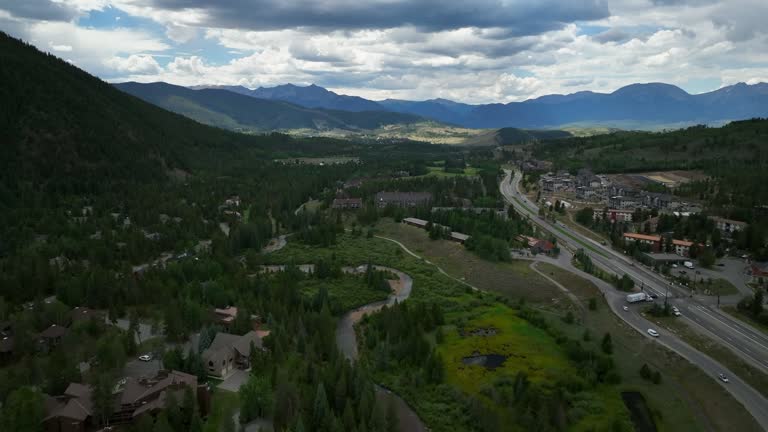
x,y
346,338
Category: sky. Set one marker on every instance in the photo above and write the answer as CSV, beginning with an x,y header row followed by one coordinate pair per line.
x,y
474,51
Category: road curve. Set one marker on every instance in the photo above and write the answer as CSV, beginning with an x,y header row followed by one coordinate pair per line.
x,y
753,401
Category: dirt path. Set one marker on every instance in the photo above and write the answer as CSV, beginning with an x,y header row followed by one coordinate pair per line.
x,y
409,252
562,288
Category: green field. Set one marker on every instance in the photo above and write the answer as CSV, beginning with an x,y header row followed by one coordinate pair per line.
x,y
513,280
440,172
530,350
719,287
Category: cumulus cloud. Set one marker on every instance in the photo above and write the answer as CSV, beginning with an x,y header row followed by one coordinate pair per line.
x,y
60,48
134,64
481,51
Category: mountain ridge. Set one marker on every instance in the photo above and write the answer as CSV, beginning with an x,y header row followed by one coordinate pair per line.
x,y
647,105
236,111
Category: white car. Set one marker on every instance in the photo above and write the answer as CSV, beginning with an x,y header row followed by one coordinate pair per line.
x,y
676,313
145,357
625,308
723,378
653,333
674,265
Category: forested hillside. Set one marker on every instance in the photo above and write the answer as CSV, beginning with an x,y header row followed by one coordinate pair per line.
x,y
65,131
737,143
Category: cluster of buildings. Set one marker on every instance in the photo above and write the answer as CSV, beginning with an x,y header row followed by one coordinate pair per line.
x,y
655,243
588,187
74,410
52,336
421,223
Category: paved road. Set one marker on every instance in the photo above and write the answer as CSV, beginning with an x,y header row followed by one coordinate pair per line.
x,y
746,342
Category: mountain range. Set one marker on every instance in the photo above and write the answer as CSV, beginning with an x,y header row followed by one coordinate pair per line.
x,y
642,106
238,109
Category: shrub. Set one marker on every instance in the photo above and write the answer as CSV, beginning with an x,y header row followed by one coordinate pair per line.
x,y
592,304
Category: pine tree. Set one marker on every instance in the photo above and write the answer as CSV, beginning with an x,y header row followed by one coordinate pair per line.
x,y
348,418
607,344
321,411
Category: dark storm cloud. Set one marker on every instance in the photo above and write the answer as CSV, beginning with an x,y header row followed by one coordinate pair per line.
x,y
38,10
519,17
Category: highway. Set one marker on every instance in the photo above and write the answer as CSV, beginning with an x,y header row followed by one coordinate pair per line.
x,y
748,343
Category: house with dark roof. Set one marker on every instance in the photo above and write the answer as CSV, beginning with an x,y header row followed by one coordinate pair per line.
x,y
52,336
70,412
229,352
73,411
418,223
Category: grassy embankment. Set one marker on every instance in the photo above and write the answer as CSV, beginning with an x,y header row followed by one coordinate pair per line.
x,y
755,377
686,399
513,280
746,318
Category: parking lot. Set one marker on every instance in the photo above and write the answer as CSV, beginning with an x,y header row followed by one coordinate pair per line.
x,y
732,270
136,368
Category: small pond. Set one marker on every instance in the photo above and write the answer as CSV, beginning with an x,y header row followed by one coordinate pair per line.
x,y
488,361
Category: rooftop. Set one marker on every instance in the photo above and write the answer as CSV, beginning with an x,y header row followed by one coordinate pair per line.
x,y
416,221
636,236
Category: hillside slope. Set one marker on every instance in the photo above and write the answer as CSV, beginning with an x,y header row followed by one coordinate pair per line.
x,y
739,143
227,109
65,131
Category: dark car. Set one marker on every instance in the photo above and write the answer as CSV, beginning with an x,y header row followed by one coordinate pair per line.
x,y
654,296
